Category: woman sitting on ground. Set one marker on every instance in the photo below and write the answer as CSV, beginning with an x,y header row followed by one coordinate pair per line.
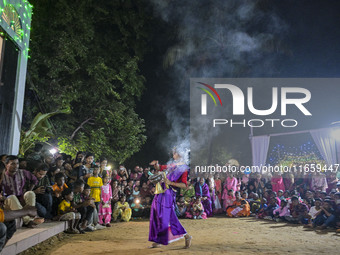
x,y
240,207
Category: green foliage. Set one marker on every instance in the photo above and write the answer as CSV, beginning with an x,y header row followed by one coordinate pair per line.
x,y
39,131
85,55
69,147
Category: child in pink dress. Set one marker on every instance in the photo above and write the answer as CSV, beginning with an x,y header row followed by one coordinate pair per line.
x,y
229,199
229,183
105,211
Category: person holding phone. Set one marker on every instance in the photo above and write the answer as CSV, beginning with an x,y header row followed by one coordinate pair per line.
x,y
43,192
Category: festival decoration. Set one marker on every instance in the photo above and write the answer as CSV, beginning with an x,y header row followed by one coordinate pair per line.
x,y
15,20
306,153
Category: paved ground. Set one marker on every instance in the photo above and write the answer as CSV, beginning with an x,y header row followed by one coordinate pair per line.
x,y
217,235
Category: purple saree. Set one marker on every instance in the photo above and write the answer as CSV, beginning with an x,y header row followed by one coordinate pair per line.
x,y
203,191
164,224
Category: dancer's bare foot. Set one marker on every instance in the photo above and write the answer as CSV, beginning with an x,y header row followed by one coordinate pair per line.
x,y
187,241
155,245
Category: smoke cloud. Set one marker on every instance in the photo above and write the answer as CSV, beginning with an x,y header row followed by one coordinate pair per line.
x,y
216,38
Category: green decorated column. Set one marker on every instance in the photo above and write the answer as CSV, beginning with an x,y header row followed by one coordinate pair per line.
x,y
15,22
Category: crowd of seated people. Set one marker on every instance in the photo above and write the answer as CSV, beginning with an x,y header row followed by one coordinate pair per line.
x,y
90,195
308,198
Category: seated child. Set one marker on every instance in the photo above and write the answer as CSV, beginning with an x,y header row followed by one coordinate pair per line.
x,y
326,217
188,192
309,199
188,213
59,185
57,189
274,195
298,211
198,209
229,199
280,194
314,211
286,196
255,204
235,212
123,209
240,207
263,206
86,194
250,197
181,207
268,212
281,212
135,193
146,203
84,207
245,195
67,212
137,207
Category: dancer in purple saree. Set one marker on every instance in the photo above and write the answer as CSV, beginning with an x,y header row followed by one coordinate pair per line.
x,y
202,190
164,224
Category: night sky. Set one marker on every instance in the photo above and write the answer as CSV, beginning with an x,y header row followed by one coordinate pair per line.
x,y
307,45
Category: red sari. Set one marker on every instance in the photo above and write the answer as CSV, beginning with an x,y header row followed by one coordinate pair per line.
x,y
218,188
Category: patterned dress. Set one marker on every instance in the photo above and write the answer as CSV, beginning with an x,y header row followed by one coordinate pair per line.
x,y
164,224
105,211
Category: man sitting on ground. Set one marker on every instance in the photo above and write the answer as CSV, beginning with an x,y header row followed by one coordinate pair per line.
x,y
13,187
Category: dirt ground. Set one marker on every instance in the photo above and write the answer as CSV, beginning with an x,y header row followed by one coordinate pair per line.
x,y
216,235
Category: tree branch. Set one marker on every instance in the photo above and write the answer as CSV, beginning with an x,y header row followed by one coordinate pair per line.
x,y
80,127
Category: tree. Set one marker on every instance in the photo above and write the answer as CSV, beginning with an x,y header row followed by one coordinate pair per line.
x,y
39,131
86,55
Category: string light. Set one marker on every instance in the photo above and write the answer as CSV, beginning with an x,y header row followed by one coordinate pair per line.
x,y
288,156
15,21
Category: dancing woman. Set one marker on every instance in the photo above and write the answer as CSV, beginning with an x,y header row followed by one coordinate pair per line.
x,y
164,224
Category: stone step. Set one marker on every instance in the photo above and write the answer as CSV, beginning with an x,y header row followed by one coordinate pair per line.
x,y
25,238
